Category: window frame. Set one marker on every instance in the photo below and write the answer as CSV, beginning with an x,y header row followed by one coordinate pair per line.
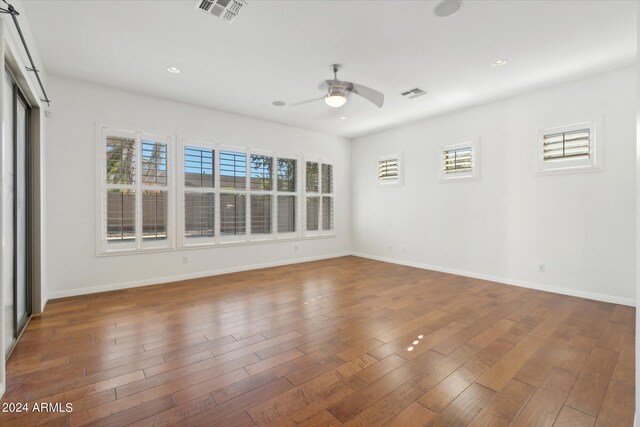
x,y
183,241
103,247
563,165
250,193
320,232
399,181
247,238
296,235
474,174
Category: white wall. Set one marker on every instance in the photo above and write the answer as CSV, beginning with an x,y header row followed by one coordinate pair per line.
x,y
73,266
581,226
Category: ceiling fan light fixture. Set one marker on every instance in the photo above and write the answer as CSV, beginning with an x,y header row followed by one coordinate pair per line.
x,y
335,99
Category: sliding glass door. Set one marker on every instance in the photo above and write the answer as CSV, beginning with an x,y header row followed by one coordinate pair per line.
x,y
16,277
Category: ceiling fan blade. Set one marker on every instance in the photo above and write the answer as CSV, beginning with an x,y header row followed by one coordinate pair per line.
x,y
369,94
325,85
308,101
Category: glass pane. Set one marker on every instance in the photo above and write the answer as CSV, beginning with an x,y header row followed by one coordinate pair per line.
x,y
7,188
154,163
233,214
313,213
287,175
327,213
260,214
327,179
198,167
312,177
21,213
121,164
121,215
286,214
233,170
261,173
199,214
154,215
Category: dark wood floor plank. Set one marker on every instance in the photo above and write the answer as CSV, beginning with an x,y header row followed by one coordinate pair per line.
x,y
569,417
589,391
545,404
504,406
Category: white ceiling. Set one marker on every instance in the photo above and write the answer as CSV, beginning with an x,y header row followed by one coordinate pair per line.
x,y
281,50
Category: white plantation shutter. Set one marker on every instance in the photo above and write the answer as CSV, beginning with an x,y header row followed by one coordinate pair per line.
x,y
567,145
570,148
313,213
233,214
327,178
327,197
287,197
120,204
136,170
155,196
457,160
327,213
261,214
388,170
199,210
319,198
121,160
121,215
199,195
198,167
233,170
261,186
312,177
460,162
287,214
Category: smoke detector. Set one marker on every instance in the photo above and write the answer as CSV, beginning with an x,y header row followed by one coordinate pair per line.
x,y
223,9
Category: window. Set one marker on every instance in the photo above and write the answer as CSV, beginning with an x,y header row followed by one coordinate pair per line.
x,y
261,196
199,195
233,195
389,172
135,174
287,197
225,194
319,199
460,162
571,148
256,200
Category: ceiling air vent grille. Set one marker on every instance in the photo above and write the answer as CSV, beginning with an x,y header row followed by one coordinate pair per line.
x,y
413,93
224,9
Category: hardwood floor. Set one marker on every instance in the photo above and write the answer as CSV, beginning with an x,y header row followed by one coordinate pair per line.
x,y
342,341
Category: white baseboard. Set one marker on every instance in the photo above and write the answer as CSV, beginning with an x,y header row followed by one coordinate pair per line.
x,y
167,279
506,280
482,276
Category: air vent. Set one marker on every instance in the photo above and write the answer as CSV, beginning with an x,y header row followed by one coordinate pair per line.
x,y
224,9
413,93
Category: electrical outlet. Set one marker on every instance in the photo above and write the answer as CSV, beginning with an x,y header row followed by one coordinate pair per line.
x,y
541,268
185,260
390,248
295,248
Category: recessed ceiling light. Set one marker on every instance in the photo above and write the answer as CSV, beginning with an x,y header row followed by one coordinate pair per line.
x,y
500,63
174,70
279,103
343,118
447,8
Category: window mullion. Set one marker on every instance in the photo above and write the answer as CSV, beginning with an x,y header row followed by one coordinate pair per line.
x,y
138,192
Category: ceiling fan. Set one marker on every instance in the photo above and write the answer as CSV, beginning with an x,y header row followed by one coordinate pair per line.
x,y
338,91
